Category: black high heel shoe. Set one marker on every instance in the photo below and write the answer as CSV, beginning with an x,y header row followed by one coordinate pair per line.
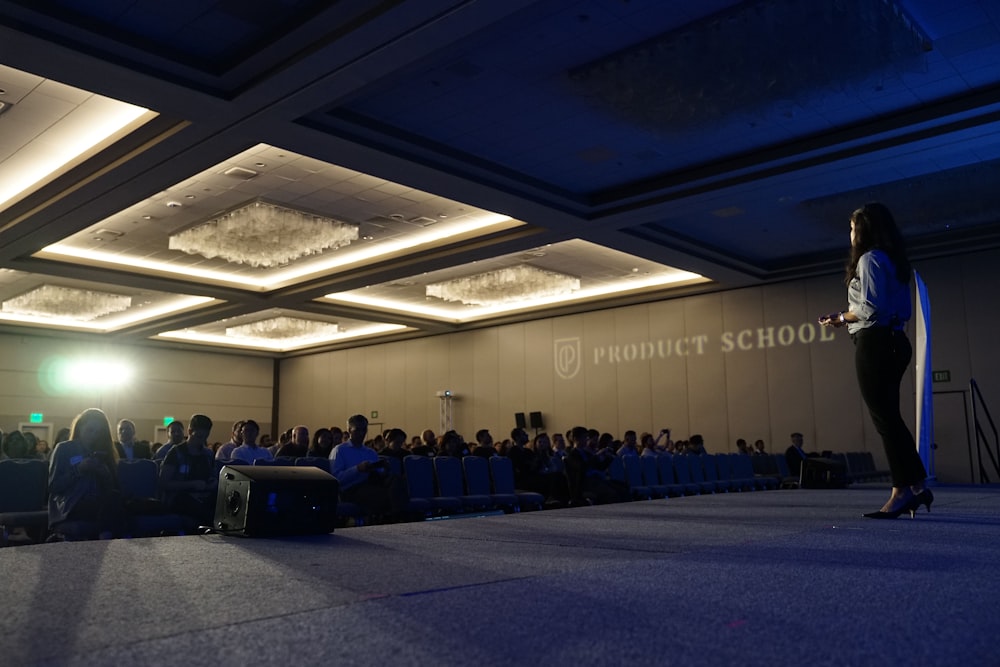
x,y
893,514
909,506
925,497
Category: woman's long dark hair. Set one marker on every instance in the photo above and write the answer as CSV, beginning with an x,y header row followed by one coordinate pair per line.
x,y
874,227
104,442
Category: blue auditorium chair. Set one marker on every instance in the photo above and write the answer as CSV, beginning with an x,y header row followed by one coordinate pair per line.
x,y
671,468
696,473
451,482
710,469
633,476
502,476
477,479
147,515
419,473
651,478
24,487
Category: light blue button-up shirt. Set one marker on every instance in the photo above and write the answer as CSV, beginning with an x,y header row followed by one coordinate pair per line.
x,y
876,296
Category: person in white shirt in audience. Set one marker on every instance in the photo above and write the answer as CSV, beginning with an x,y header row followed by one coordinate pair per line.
x,y
250,451
235,440
629,447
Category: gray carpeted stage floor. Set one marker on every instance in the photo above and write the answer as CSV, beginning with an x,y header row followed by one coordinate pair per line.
x,y
765,578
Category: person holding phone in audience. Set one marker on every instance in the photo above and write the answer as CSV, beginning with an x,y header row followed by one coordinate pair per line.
x,y
84,497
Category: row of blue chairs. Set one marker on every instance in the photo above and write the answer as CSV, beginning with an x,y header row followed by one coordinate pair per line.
x,y
24,490
441,486
667,476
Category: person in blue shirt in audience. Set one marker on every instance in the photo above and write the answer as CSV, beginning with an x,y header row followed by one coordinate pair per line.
x,y
175,435
364,478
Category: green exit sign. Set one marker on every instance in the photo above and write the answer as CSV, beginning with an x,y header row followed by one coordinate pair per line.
x,y
167,420
36,417
941,376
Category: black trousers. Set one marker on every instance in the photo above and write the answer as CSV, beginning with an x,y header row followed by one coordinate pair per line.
x,y
881,356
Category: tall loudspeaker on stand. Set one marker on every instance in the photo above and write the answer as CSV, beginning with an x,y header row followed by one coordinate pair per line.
x,y
259,501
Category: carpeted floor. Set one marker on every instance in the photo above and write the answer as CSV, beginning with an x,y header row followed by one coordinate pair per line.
x,y
765,578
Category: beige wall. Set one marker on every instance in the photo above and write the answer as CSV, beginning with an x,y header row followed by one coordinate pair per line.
x,y
166,383
746,363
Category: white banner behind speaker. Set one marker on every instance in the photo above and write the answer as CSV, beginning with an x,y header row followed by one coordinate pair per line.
x,y
924,379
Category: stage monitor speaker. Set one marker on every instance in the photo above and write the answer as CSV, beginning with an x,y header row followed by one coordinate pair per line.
x,y
265,501
519,421
535,419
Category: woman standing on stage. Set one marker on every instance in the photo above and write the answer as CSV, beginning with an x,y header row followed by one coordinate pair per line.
x,y
878,294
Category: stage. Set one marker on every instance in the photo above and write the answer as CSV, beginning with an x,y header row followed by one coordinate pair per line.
x,y
789,577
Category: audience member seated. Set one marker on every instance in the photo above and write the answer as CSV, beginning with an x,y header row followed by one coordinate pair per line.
x,y
188,478
43,449
629,445
795,454
225,451
537,470
322,443
298,445
452,444
429,439
422,448
84,497
819,472
364,478
758,448
586,470
648,444
696,444
395,444
548,462
558,446
484,445
742,447
175,436
127,446
663,443
17,446
250,451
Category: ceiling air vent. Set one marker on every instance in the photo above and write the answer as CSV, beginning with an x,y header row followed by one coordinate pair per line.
x,y
240,173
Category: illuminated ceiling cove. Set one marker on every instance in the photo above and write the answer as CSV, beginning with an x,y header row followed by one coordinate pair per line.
x,y
320,176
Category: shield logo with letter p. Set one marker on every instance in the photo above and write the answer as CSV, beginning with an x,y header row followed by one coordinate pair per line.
x,y
567,357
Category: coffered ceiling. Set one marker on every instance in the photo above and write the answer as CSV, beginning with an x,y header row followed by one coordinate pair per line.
x,y
284,178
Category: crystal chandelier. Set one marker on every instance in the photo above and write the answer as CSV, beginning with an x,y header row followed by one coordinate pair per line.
x,y
507,285
284,328
67,302
264,235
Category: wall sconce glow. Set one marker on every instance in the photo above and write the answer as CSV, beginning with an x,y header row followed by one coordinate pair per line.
x,y
99,373
60,375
